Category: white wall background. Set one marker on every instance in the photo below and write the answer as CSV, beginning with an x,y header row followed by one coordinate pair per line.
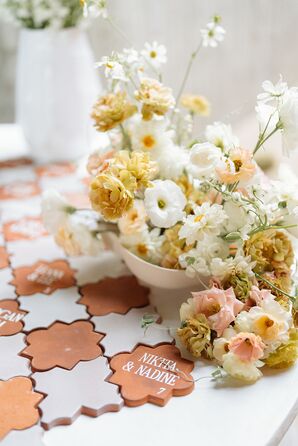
x,y
260,43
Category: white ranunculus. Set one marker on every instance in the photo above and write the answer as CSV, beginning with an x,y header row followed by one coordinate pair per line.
x,y
204,158
288,116
221,135
171,162
237,217
244,370
164,203
150,136
54,210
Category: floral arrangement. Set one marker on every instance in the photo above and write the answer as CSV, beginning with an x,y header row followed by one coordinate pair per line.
x,y
197,204
39,14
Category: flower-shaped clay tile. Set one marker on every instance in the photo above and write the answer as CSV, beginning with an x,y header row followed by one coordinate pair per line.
x,y
55,169
62,345
18,408
27,228
19,190
152,375
114,295
10,317
43,277
3,257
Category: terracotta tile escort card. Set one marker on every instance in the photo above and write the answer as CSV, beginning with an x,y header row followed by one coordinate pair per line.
x,y
43,248
55,169
62,345
15,162
44,309
19,190
43,277
9,176
18,408
15,209
12,364
4,263
114,295
123,333
28,437
11,317
7,291
27,228
83,390
152,375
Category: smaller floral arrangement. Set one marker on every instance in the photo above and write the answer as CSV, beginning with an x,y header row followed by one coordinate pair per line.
x,y
40,14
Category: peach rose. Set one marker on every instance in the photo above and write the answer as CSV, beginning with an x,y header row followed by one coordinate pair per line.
x,y
219,306
247,346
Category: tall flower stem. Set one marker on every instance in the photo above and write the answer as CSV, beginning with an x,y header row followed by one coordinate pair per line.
x,y
188,69
119,30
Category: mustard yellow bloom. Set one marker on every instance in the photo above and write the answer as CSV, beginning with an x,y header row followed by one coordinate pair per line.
x,y
272,250
155,97
287,354
198,105
111,110
195,334
136,164
173,247
109,196
65,239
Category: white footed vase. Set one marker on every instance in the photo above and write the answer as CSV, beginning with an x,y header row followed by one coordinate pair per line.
x,y
152,275
56,85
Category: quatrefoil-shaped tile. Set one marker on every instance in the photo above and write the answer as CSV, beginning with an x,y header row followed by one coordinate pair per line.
x,y
114,295
62,345
43,277
18,408
27,228
11,317
3,258
152,375
82,390
11,363
123,333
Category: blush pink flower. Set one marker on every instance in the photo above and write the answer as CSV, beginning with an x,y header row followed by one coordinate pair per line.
x,y
238,167
247,346
258,296
219,306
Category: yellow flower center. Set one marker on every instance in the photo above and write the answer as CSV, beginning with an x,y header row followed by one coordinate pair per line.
x,y
109,65
214,308
153,54
198,218
161,204
142,249
148,141
133,215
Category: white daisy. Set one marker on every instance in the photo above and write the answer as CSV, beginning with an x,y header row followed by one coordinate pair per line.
x,y
155,54
212,35
164,203
207,221
145,244
150,136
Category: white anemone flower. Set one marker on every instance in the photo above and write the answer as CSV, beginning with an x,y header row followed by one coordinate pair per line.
x,y
203,160
164,203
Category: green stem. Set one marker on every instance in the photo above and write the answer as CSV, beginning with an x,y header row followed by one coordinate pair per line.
x,y
262,140
188,69
292,298
260,229
119,30
126,139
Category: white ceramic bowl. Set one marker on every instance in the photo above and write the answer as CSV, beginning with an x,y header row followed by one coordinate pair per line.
x,y
152,275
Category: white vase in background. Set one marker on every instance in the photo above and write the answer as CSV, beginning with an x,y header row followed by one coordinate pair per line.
x,y
56,85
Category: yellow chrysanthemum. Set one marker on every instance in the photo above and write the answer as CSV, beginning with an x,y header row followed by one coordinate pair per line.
x,y
137,164
109,196
173,247
196,104
272,250
195,334
155,97
111,110
240,282
287,354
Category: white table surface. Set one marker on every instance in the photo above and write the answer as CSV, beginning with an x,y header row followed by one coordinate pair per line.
x,y
212,415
